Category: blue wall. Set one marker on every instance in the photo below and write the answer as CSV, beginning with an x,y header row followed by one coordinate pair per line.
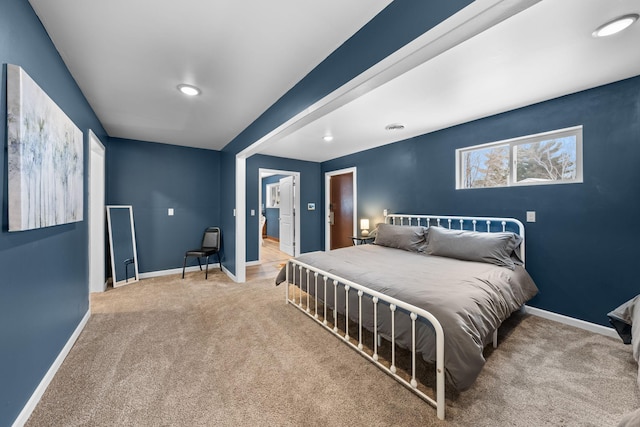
x,y
153,177
582,263
395,26
227,208
272,214
309,191
44,290
273,222
581,251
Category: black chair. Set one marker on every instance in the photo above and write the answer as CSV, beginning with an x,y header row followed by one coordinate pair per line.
x,y
210,246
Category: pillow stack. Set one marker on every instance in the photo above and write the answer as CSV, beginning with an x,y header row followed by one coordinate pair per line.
x,y
493,248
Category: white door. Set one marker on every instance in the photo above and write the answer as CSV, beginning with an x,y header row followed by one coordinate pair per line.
x,y
287,215
96,215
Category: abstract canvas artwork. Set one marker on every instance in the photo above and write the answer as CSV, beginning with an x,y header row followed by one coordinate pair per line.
x,y
45,157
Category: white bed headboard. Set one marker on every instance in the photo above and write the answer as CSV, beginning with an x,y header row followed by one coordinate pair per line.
x,y
471,223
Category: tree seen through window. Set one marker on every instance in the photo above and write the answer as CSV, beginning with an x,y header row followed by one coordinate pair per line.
x,y
546,158
550,160
488,167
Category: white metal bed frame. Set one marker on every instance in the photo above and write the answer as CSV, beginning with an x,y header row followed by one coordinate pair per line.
x,y
452,222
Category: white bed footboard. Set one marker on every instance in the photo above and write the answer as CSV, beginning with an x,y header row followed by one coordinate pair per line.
x,y
328,284
325,283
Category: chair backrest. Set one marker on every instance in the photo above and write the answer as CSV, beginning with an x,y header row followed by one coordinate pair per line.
x,y
211,238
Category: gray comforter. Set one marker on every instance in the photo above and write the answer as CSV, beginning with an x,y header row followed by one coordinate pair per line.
x,y
470,299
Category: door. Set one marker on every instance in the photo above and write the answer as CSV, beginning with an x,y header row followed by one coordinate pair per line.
x,y
341,210
287,215
96,215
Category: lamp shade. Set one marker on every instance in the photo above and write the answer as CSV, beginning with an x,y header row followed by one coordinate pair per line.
x,y
364,224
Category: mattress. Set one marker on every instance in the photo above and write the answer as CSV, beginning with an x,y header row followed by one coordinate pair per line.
x,y
469,299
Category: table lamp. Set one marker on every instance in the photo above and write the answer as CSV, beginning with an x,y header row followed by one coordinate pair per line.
x,y
364,227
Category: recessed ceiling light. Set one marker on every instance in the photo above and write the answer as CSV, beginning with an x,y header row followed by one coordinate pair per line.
x,y
615,26
394,126
189,90
327,138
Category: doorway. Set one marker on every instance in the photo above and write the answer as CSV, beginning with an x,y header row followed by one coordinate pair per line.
x,y
96,214
279,222
341,208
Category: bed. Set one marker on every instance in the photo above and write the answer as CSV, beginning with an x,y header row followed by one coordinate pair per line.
x,y
438,286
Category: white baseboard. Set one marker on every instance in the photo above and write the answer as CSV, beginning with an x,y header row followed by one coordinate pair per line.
x,y
250,263
230,274
592,327
175,271
171,271
46,380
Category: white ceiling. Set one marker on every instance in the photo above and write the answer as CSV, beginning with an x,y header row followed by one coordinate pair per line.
x,y
244,59
544,52
129,56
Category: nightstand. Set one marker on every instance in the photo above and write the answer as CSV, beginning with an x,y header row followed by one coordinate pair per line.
x,y
362,240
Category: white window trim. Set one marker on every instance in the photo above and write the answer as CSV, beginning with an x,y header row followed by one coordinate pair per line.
x,y
512,143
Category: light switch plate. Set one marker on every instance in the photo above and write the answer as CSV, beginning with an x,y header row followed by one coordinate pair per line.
x,y
253,212
170,211
384,212
531,216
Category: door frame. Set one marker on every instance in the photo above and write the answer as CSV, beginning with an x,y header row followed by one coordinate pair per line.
x,y
296,205
327,199
97,217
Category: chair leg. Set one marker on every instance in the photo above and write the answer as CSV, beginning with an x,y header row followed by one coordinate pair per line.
x,y
219,261
199,264
184,263
206,273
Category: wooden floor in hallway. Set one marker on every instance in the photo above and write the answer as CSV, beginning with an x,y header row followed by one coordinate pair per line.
x,y
271,261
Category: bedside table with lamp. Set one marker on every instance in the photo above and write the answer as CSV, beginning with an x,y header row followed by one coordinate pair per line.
x,y
363,238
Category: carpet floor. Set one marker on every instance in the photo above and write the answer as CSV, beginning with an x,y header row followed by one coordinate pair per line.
x,y
172,352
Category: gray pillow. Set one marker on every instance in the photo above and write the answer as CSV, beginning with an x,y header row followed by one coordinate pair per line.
x,y
408,237
492,248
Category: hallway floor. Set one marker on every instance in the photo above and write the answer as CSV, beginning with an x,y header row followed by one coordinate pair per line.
x,y
271,261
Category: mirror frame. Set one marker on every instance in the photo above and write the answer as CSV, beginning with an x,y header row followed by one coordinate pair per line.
x,y
136,277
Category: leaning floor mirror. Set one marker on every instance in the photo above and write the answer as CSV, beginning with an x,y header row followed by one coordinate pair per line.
x,y
122,243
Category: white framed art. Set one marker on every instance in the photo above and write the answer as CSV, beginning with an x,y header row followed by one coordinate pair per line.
x,y
45,157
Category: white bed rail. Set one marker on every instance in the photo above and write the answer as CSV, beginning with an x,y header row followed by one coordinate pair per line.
x,y
328,282
470,223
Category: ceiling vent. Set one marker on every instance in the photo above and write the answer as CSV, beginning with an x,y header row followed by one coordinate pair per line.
x,y
395,126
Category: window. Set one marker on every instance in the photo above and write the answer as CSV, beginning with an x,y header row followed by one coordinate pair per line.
x,y
545,158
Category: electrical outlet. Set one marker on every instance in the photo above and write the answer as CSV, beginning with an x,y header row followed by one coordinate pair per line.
x,y
253,212
385,212
170,211
531,216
